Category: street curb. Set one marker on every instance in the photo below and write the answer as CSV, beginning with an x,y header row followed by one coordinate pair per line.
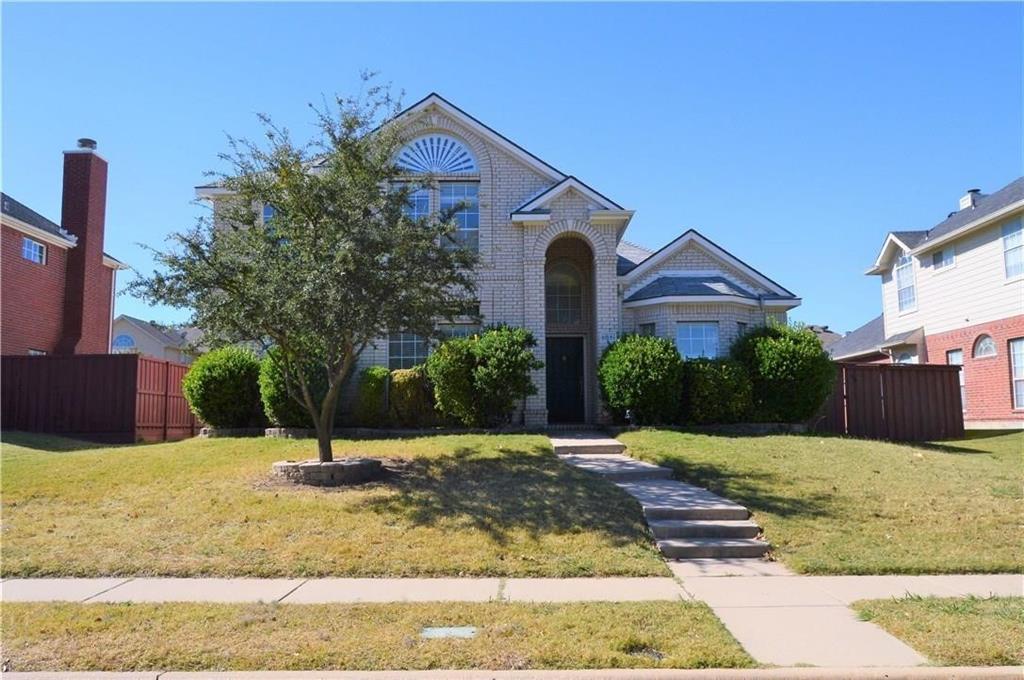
x,y
800,673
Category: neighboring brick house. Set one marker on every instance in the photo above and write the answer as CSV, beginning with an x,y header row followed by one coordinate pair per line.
x,y
954,294
170,343
553,260
58,285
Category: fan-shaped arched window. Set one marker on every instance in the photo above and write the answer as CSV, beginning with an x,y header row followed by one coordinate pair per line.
x,y
123,344
984,346
436,154
563,294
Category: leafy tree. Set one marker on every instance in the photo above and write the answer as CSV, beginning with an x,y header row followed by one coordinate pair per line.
x,y
336,265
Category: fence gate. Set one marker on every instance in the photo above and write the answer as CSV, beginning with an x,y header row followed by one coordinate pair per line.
x,y
899,402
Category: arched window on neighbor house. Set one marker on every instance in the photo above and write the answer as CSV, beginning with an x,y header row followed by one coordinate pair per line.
x,y
984,346
123,344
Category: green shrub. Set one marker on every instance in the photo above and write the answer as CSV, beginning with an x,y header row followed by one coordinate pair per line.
x,y
279,406
411,398
222,388
715,391
371,407
642,374
450,369
478,380
790,373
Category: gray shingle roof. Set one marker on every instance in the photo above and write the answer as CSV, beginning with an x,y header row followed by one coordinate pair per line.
x,y
910,238
22,212
863,340
630,255
1011,193
174,337
688,286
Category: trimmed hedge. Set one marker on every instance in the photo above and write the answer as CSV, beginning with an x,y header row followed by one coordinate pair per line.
x,y
715,391
371,397
222,388
791,374
280,408
411,398
479,380
642,374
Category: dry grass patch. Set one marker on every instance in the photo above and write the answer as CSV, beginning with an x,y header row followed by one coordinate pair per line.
x,y
197,637
831,505
954,631
482,505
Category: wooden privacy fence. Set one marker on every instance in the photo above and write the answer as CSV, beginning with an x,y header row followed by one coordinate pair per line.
x,y
100,397
899,402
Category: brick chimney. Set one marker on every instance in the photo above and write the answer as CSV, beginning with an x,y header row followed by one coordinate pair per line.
x,y
87,290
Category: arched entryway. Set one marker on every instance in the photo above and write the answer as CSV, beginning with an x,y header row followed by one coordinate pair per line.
x,y
569,330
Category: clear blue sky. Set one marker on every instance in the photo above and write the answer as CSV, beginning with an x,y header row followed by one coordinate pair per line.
x,y
793,135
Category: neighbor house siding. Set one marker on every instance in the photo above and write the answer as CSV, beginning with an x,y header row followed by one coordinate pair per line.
x,y
974,290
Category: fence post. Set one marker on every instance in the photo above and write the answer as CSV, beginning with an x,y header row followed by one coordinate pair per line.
x,y
167,395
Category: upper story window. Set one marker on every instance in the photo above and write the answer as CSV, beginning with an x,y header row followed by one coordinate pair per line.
x,y
33,251
943,258
1013,248
123,344
905,289
984,346
563,294
697,339
437,155
418,205
465,197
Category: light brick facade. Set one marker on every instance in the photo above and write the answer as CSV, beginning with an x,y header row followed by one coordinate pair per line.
x,y
514,257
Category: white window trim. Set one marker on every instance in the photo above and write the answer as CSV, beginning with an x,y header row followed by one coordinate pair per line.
x,y
952,265
705,322
43,251
1014,381
1002,240
913,283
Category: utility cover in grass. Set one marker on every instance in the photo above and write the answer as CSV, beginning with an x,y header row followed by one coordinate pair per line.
x,y
432,632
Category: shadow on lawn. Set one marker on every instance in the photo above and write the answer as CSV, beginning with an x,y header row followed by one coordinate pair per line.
x,y
515,489
751,489
50,442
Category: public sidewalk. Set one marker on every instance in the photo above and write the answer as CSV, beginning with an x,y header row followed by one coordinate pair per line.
x,y
781,620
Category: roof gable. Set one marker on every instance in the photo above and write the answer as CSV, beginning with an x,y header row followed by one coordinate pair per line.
x,y
896,241
692,236
570,183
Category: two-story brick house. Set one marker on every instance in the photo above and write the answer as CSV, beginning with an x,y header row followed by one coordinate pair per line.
x,y
954,294
57,290
553,260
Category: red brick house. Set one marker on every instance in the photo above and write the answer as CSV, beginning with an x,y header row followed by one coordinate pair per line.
x,y
954,294
57,289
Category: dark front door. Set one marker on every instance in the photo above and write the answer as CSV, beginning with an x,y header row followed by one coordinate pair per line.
x,y
565,380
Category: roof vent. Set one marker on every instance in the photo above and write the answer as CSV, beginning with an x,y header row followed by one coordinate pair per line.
x,y
86,143
970,199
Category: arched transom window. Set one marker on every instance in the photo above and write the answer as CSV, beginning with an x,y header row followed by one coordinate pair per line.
x,y
563,294
123,344
436,154
984,346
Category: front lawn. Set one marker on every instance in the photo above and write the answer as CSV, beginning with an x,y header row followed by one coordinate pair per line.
x,y
452,505
831,505
954,631
197,637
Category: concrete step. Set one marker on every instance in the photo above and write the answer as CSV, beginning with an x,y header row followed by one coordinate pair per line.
x,y
703,528
705,512
585,443
689,548
616,467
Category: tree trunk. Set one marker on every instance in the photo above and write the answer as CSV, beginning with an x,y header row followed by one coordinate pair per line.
x,y
323,440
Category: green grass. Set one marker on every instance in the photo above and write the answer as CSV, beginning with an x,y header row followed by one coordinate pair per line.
x,y
954,631
831,505
197,637
452,505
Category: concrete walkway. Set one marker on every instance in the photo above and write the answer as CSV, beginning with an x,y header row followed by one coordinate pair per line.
x,y
779,621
